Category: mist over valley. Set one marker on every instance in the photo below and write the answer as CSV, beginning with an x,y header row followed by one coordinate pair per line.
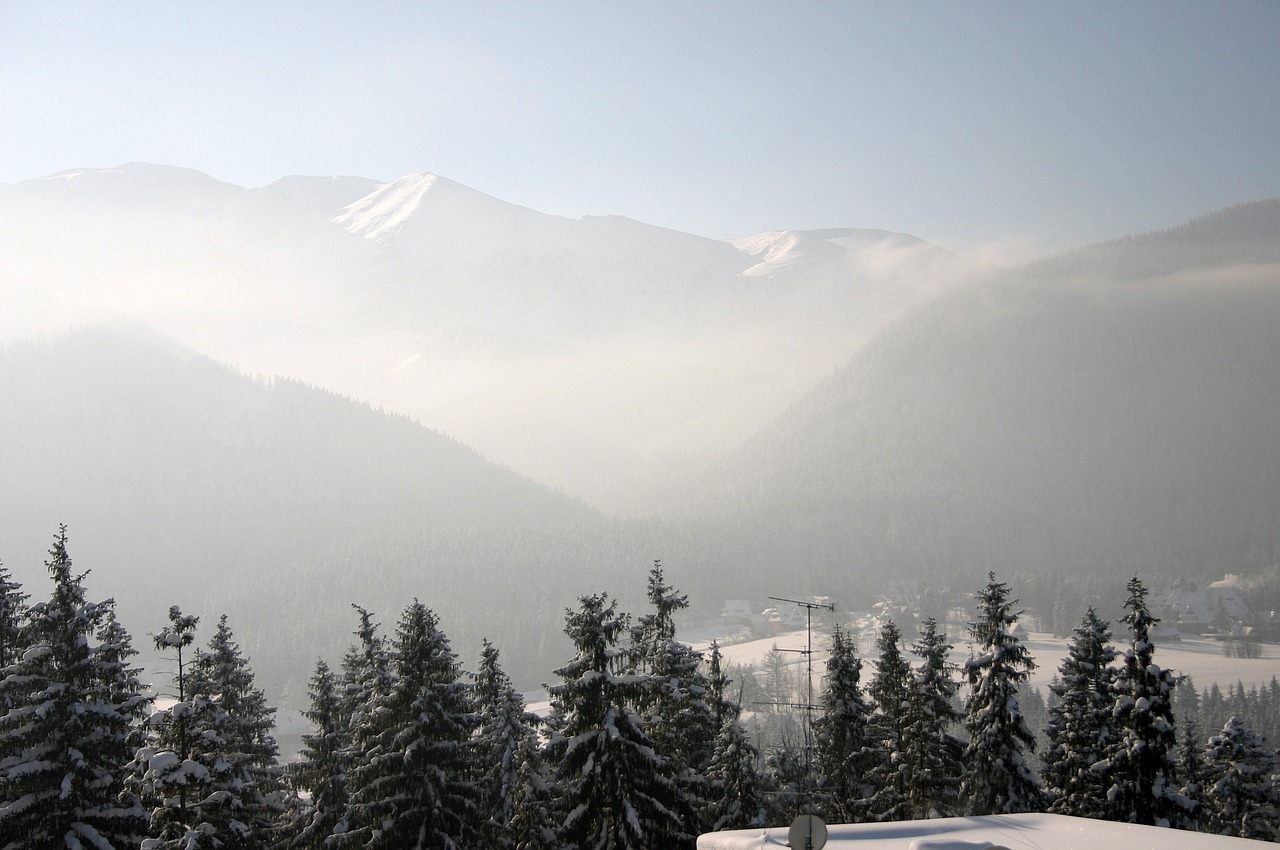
x,y
276,402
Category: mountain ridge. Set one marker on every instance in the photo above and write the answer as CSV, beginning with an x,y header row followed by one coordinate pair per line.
x,y
481,318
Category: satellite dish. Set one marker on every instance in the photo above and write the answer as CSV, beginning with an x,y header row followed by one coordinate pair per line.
x,y
807,832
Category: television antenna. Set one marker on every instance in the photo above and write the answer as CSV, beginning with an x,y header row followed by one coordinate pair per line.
x,y
808,705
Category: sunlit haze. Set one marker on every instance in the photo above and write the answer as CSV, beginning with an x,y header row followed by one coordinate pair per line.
x,y
639,423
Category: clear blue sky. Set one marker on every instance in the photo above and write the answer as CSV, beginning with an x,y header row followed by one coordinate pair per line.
x,y
1026,125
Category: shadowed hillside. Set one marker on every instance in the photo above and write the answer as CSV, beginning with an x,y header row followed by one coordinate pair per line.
x,y
1115,408
184,482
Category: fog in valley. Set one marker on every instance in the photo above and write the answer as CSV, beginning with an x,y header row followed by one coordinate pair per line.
x,y
280,401
271,395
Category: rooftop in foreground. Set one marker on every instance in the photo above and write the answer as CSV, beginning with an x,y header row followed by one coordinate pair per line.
x,y
1015,832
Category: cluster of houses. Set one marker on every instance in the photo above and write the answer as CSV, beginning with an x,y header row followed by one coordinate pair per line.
x,y
1219,608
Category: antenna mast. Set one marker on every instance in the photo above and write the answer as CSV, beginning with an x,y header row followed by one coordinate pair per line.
x,y
807,652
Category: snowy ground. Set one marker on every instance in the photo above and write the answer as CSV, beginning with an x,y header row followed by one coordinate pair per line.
x,y
1200,658
1015,832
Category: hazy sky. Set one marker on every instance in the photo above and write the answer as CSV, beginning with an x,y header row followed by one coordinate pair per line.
x,y
977,125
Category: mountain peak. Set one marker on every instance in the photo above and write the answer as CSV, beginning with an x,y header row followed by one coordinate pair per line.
x,y
423,211
135,172
777,250
385,210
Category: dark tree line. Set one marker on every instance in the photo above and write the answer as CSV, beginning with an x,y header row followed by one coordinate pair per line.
x,y
644,744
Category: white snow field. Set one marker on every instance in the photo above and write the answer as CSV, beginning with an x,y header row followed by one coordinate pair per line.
x,y
1200,658
1015,832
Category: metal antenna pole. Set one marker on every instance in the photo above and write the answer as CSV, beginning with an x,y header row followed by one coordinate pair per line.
x,y
808,653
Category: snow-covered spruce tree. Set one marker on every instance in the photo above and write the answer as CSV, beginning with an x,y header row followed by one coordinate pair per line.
x,y
533,824
654,629
367,676
13,644
1193,774
505,730
888,690
68,736
1191,768
932,756
616,790
120,680
409,785
163,771
673,702
788,783
1243,794
13,636
733,777
1079,728
846,753
737,791
1142,755
723,707
322,768
997,778
244,795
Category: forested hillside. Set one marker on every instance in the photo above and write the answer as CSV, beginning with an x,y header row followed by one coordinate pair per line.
x,y
279,503
1115,410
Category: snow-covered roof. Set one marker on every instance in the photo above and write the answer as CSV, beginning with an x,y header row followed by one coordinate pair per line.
x,y
1016,832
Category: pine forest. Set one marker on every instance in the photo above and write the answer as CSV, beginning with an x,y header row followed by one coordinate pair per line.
x,y
644,743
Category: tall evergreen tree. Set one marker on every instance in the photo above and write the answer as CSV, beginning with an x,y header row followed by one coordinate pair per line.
x,y
533,824
68,735
997,778
1244,792
410,788
679,717
13,644
322,768
123,688
846,754
889,689
734,783
737,801
504,732
1142,757
164,772
212,767
366,670
1186,702
674,703
1193,773
244,794
1079,729
931,754
13,637
655,628
617,791
723,707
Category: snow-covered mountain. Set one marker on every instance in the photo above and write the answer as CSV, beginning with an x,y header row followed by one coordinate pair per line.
x,y
578,351
1113,408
